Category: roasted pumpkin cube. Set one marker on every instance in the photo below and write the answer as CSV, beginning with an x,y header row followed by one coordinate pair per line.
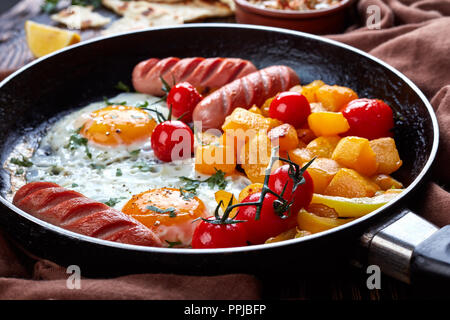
x,y
350,184
255,109
356,153
309,91
265,107
323,146
243,119
213,157
386,182
306,135
255,157
322,171
327,123
334,98
300,155
285,136
386,154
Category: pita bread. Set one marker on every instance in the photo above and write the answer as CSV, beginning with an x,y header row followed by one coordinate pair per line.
x,y
129,23
187,10
78,17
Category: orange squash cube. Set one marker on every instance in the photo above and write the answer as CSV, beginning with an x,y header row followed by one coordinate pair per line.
x,y
323,146
386,182
285,136
297,88
322,171
334,98
309,91
300,155
386,154
255,157
255,109
212,157
327,123
243,119
356,153
350,184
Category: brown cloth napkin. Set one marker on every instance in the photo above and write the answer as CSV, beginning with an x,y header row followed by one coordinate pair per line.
x,y
414,38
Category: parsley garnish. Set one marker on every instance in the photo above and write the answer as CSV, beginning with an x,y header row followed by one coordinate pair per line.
x,y
173,243
77,140
24,162
122,86
118,172
142,166
49,6
94,3
170,211
113,201
135,153
186,195
217,179
97,166
114,103
74,185
19,171
56,170
142,105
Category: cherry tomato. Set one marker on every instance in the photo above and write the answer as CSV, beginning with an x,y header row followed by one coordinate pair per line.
x,y
303,193
290,107
269,224
183,97
368,118
172,140
209,235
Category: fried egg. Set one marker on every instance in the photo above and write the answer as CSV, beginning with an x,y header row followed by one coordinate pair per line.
x,y
103,151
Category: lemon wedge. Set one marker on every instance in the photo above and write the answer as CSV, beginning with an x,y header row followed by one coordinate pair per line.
x,y
354,207
43,39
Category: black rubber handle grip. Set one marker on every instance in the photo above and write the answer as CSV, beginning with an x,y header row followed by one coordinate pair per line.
x,y
431,259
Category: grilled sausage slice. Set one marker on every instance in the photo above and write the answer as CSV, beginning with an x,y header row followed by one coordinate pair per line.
x,y
73,211
253,89
202,73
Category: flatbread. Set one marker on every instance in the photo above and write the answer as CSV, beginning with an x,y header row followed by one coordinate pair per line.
x,y
130,23
79,17
187,10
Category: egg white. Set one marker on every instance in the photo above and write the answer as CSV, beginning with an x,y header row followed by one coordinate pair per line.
x,y
115,173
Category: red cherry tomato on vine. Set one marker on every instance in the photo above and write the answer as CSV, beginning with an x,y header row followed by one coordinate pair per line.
x,y
303,193
368,118
172,140
290,107
209,235
183,97
269,224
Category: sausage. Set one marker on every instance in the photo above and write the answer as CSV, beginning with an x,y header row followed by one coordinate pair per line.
x,y
202,73
253,89
73,211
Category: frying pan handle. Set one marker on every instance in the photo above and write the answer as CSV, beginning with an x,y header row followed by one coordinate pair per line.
x,y
409,248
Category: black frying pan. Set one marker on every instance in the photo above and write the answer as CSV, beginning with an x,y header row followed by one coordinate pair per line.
x,y
87,72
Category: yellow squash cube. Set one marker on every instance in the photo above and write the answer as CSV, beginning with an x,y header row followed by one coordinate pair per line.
x,y
327,123
300,155
356,153
334,98
386,154
309,91
350,184
322,171
212,157
323,146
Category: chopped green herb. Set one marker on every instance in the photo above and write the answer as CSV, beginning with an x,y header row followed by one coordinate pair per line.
x,y
24,162
135,153
77,140
170,211
173,243
122,86
84,3
49,6
56,170
186,195
118,172
142,105
19,171
217,179
142,166
74,185
97,166
114,103
113,201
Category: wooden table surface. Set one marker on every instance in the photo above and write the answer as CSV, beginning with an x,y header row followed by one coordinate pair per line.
x,y
349,283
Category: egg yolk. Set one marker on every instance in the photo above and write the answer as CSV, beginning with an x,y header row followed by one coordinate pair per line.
x,y
168,212
118,125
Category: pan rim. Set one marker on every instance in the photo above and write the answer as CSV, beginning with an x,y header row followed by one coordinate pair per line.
x,y
417,180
